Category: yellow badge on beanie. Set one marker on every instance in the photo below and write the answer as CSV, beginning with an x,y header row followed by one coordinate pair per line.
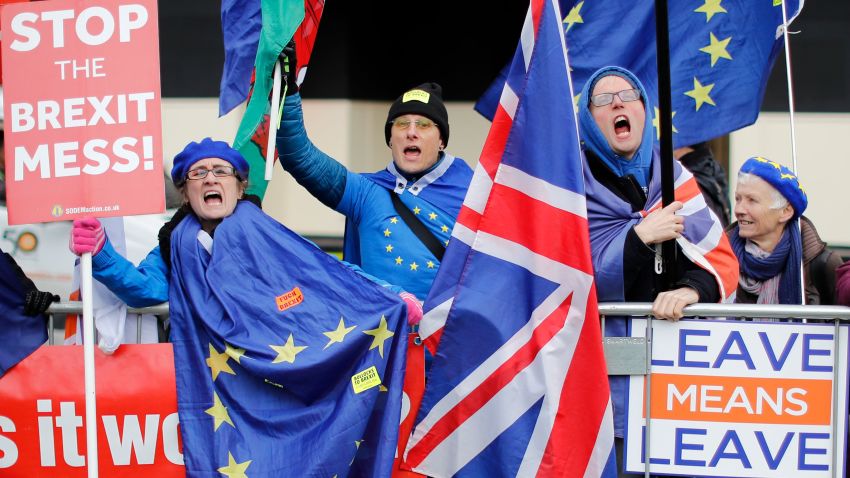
x,y
416,95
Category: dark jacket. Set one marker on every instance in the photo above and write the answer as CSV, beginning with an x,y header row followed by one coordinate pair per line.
x,y
711,179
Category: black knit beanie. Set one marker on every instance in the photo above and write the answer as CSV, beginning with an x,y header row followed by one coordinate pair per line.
x,y
426,100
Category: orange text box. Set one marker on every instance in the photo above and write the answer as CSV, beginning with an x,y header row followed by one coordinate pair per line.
x,y
741,399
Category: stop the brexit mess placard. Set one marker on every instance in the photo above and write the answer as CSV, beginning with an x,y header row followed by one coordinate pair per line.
x,y
83,128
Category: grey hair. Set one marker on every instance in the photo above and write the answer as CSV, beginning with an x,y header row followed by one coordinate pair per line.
x,y
779,200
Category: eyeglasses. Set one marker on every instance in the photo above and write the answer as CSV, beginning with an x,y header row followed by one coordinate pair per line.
x,y
603,99
421,124
218,171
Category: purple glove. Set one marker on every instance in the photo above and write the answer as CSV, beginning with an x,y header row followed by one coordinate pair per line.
x,y
414,308
86,236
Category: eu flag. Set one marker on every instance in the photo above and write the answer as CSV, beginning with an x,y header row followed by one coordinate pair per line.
x,y
287,362
721,54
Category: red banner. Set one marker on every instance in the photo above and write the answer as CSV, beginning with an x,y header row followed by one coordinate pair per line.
x,y
83,128
42,410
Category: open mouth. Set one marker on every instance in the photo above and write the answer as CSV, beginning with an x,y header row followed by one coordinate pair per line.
x,y
744,222
412,150
622,126
212,198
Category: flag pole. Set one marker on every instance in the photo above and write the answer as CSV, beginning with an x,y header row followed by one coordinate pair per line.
x,y
88,365
665,126
792,122
274,118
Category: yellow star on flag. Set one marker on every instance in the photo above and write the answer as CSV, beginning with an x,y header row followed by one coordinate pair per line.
x,y
447,243
444,228
710,8
394,220
217,362
656,125
414,266
336,336
219,412
399,260
717,48
574,16
389,247
387,233
416,210
233,469
700,94
288,351
380,335
432,216
234,352
430,264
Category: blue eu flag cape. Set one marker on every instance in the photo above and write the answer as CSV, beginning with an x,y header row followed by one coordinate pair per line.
x,y
288,363
19,335
721,55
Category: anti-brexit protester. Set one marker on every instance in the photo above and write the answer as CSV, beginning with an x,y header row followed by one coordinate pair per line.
x,y
277,345
399,219
626,220
212,178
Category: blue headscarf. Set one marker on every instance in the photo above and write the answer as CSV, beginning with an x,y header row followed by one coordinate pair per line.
x,y
595,141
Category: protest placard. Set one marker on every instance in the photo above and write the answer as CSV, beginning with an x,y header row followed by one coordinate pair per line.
x,y
83,132
744,399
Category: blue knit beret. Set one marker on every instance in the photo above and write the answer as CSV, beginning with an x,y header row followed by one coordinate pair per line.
x,y
781,178
207,148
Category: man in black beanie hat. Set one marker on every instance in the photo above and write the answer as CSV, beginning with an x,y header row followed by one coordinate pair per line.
x,y
399,219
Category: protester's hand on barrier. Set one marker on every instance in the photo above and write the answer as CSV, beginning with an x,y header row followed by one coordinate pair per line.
x,y
37,302
288,53
669,305
414,308
661,225
87,235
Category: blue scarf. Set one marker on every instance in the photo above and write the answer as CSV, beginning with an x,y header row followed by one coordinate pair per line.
x,y
594,140
784,259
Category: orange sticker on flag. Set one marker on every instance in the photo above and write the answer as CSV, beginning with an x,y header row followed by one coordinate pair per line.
x,y
289,299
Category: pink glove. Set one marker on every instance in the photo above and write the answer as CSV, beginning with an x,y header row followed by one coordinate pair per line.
x,y
86,236
414,308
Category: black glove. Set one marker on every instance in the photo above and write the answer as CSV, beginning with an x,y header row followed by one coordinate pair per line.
x,y
288,53
37,302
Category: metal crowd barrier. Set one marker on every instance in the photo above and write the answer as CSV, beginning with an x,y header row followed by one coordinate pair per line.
x,y
61,309
633,355
623,355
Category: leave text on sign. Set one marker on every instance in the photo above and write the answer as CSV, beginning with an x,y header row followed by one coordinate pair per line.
x,y
808,352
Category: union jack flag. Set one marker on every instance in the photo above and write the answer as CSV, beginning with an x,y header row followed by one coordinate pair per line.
x,y
518,386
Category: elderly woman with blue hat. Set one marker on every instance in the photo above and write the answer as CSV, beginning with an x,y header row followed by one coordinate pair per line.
x,y
770,245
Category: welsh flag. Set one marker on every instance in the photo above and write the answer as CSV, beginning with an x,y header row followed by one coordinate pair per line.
x,y
281,21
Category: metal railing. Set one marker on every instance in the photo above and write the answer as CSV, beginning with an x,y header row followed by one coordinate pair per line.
x,y
628,355
633,355
62,309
